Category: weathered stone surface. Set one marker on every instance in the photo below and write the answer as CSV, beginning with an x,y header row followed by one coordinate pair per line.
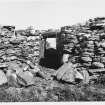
x,y
63,69
69,76
97,65
87,42
86,76
78,75
3,78
97,70
26,77
19,51
15,66
3,65
12,78
86,59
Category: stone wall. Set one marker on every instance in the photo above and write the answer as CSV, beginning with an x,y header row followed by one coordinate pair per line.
x,y
85,43
19,52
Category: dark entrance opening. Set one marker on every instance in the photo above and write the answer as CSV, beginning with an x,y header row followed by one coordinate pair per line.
x,y
51,59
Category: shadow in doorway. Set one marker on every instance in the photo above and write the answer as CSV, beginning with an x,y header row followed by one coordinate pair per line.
x,y
51,59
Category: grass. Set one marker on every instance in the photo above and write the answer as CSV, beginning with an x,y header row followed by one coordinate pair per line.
x,y
53,91
33,94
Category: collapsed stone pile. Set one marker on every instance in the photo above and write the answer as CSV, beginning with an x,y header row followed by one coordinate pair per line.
x,y
86,43
19,56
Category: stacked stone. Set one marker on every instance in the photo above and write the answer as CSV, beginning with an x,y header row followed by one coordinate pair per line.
x,y
99,51
33,43
86,51
19,55
86,44
69,41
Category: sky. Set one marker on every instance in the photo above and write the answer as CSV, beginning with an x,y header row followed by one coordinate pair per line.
x,y
47,14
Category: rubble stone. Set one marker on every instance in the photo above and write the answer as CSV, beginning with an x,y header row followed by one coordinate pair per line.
x,y
26,77
62,70
3,78
18,52
85,41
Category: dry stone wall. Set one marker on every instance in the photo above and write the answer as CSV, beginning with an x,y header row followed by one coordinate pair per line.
x,y
19,54
86,43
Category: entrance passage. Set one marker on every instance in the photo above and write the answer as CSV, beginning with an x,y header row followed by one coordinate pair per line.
x,y
51,59
51,55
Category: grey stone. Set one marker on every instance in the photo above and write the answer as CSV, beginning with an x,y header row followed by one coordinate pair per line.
x,y
3,78
25,77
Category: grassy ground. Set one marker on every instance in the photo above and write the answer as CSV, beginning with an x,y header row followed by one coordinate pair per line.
x,y
52,90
